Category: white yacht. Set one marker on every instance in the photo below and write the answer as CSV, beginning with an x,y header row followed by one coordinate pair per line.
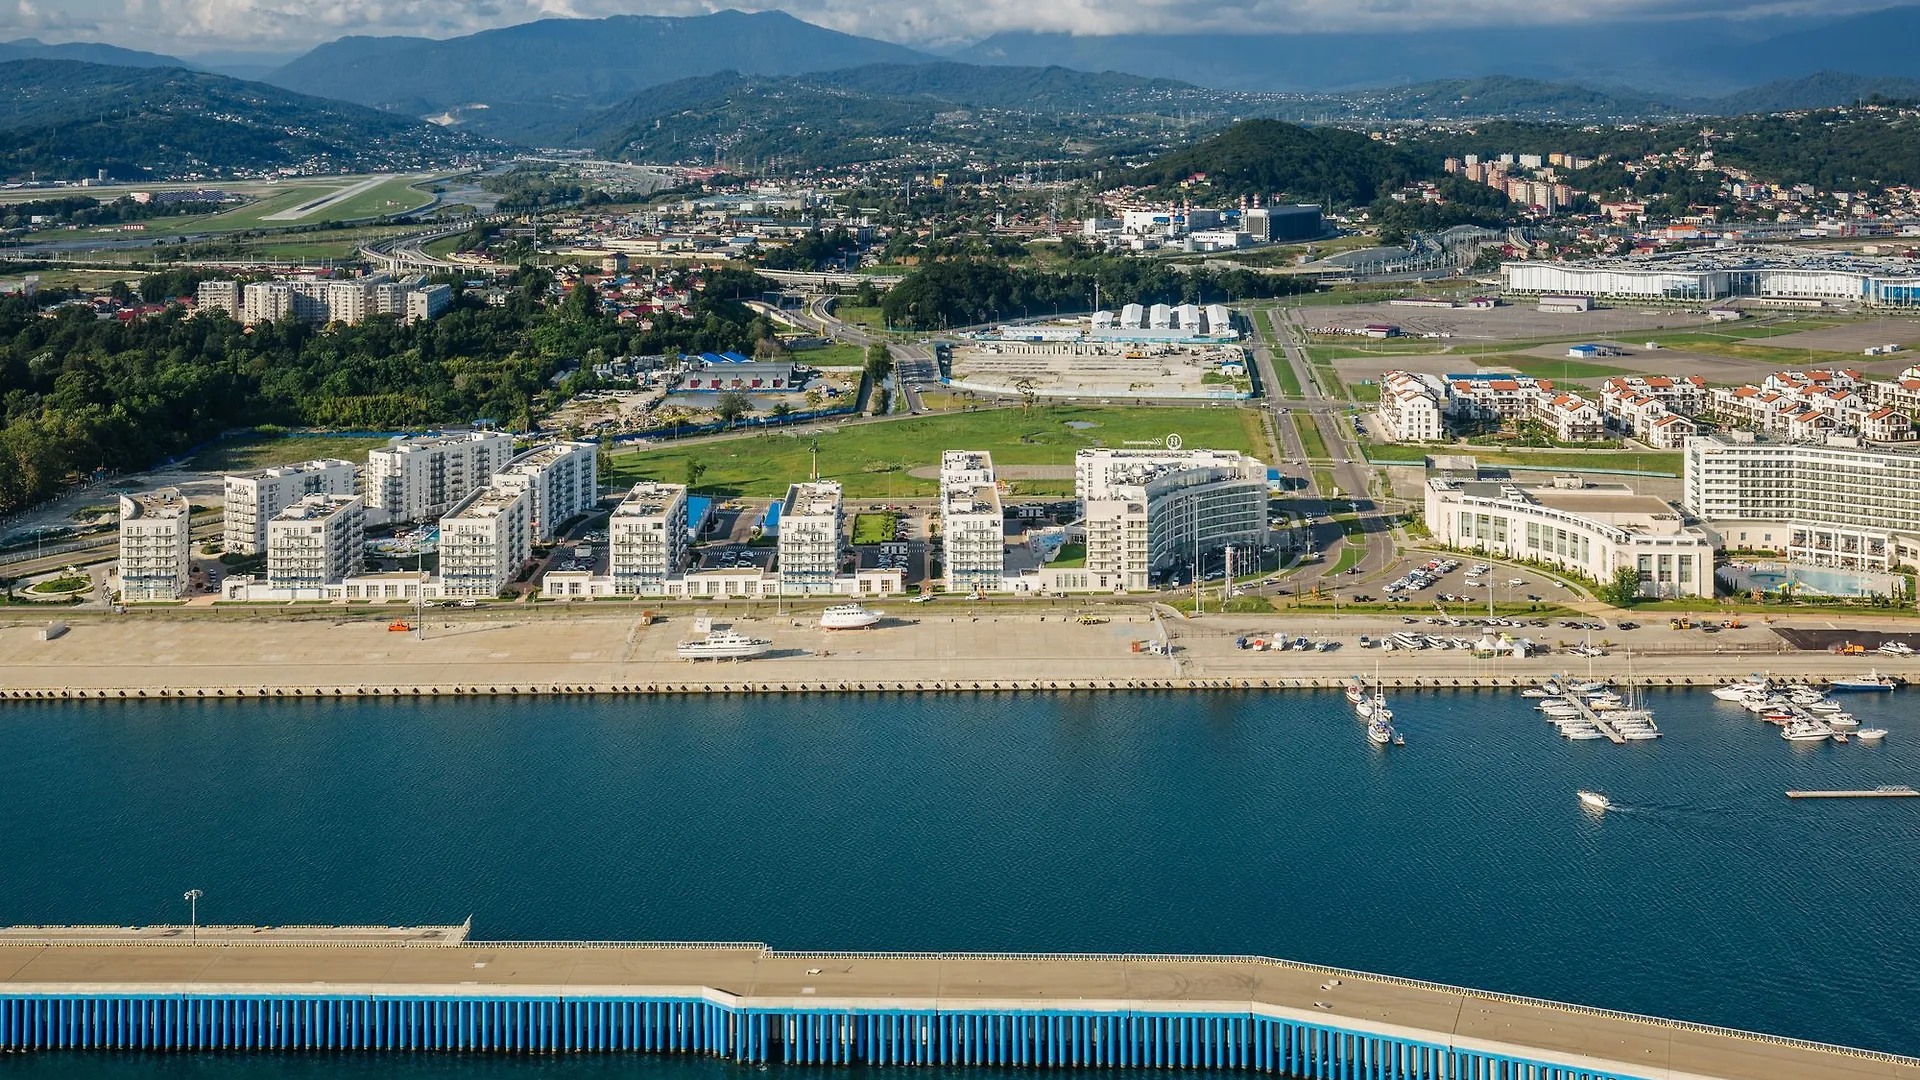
x,y
1356,691
724,645
848,617
1595,800
1870,734
1801,730
1379,732
1872,680
1741,689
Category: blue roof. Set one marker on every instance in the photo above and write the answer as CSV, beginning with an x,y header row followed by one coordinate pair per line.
x,y
698,509
771,522
725,358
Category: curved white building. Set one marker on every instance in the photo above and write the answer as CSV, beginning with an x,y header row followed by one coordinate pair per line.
x,y
1700,276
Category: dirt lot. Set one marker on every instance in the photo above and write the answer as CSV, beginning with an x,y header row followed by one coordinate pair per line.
x,y
1855,337
1512,322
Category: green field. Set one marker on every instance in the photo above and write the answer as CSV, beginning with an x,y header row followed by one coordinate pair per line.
x,y
835,355
265,453
1310,440
389,197
873,528
869,317
1542,368
876,459
395,196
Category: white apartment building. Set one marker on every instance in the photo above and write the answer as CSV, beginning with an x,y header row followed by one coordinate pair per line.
x,y
156,546
1100,471
811,524
1506,397
253,498
647,535
1592,529
419,478
428,302
1831,502
1570,417
218,296
563,479
1159,516
484,540
317,541
973,527
1413,407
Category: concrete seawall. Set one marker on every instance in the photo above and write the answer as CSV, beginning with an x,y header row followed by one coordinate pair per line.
x,y
358,990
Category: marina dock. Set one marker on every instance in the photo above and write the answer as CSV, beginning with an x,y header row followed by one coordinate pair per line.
x,y
305,990
1899,791
1592,716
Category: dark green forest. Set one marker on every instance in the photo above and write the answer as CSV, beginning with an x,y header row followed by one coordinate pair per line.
x,y
82,394
967,292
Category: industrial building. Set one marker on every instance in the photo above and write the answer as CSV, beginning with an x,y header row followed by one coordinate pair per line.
x,y
812,517
418,478
253,498
484,540
156,546
1594,530
1149,512
1829,502
1757,272
972,524
319,540
647,537
563,479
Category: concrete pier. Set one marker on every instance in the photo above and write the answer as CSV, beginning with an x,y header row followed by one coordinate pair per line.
x,y
748,1003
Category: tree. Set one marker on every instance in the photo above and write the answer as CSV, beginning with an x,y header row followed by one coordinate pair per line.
x,y
781,410
695,470
879,363
732,406
1623,590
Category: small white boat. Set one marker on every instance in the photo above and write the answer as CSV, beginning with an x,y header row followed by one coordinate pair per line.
x,y
1841,721
1595,800
1356,692
848,617
1870,734
1380,733
724,645
1535,692
1799,730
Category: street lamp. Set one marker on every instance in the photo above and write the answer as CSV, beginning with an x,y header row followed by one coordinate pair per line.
x,y
193,911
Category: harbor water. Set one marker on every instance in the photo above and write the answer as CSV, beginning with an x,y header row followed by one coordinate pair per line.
x,y
1188,822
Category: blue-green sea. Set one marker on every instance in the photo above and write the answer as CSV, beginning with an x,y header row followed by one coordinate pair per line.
x,y
1188,822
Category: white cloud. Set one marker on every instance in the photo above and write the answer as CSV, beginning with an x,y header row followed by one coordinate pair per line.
x,y
190,26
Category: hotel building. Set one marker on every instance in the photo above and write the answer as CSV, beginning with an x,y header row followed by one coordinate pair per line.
x,y
1595,530
156,545
318,541
484,540
973,526
418,479
563,480
1148,512
253,498
811,523
647,535
1835,502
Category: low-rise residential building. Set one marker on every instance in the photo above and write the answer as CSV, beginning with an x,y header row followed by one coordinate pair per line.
x,y
319,540
1595,530
156,546
972,524
812,518
253,498
484,541
1569,417
647,538
419,478
563,479
1829,502
1495,396
1143,517
1413,407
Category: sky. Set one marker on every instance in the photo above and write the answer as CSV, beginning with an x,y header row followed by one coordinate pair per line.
x,y
194,27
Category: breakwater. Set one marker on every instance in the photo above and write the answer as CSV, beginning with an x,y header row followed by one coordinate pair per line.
x,y
751,1004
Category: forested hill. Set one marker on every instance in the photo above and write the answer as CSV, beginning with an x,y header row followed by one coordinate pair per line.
x,y
1266,157
63,119
1027,89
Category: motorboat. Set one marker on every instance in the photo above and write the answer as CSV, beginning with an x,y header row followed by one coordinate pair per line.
x,y
1356,691
1801,730
1594,800
1841,721
1535,692
1741,689
724,645
848,617
1872,680
1895,648
1870,734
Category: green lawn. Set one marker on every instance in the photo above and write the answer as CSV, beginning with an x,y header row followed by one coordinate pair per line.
x,y
1071,556
869,317
1543,368
1350,556
265,453
395,196
835,355
873,528
874,460
1310,440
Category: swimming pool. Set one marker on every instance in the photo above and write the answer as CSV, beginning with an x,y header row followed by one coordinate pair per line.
x,y
1811,580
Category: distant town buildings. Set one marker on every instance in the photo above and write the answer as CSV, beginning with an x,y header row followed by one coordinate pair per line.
x,y
1757,272
156,546
320,300
254,498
